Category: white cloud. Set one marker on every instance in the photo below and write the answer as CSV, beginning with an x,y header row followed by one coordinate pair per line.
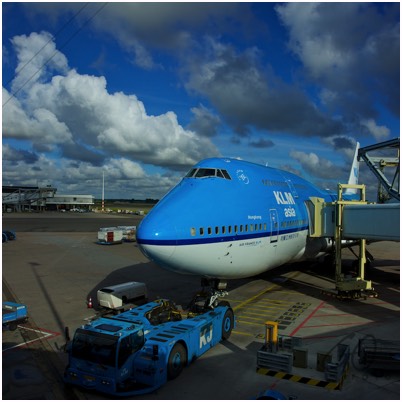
x,y
313,40
140,27
78,108
79,121
205,122
37,58
248,95
380,133
123,177
342,46
316,166
40,125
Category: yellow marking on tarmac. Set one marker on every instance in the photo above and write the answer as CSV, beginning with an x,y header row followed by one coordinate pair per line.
x,y
242,333
273,310
274,301
251,323
261,315
244,319
252,320
295,378
304,380
253,315
253,298
290,292
279,374
233,301
266,299
270,288
268,304
268,309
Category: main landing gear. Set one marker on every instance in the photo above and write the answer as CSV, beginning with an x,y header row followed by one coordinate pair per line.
x,y
208,297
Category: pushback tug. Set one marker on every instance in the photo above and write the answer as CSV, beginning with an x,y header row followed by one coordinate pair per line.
x,y
139,350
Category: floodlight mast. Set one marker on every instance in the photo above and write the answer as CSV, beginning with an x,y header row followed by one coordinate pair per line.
x,y
103,191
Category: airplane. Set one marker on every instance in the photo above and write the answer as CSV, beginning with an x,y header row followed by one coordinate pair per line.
x,y
228,219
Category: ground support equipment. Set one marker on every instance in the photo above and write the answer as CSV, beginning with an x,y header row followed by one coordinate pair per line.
x,y
274,362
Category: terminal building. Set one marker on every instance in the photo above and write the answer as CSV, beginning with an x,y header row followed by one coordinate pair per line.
x,y
24,198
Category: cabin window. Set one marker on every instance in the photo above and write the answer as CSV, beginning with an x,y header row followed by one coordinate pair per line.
x,y
209,231
216,229
201,231
241,228
265,226
193,231
229,229
251,228
246,228
223,229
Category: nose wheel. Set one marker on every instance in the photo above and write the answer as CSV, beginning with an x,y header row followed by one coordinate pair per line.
x,y
208,297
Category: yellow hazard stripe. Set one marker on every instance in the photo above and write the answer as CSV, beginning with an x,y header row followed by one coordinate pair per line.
x,y
304,380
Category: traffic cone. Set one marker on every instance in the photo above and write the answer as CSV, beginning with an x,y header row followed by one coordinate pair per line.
x,y
89,304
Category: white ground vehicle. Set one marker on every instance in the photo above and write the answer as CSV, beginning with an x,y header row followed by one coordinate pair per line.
x,y
117,296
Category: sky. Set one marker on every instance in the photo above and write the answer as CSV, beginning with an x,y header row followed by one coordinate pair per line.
x,y
140,92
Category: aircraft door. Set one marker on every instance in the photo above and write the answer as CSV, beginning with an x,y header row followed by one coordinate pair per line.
x,y
273,216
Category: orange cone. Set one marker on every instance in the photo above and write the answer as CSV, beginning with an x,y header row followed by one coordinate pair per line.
x,y
89,304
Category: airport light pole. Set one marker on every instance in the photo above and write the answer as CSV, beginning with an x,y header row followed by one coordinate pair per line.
x,y
103,191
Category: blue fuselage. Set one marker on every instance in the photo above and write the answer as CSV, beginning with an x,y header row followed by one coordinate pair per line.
x,y
229,219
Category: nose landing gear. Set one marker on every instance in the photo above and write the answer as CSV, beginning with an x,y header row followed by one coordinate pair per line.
x,y
208,297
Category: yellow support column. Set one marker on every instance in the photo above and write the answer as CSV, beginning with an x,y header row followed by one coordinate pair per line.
x,y
351,287
271,335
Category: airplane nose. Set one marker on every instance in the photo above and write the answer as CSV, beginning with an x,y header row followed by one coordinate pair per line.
x,y
156,239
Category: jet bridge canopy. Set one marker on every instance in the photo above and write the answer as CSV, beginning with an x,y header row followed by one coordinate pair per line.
x,y
378,157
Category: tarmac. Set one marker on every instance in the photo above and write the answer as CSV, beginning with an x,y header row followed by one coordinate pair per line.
x,y
54,267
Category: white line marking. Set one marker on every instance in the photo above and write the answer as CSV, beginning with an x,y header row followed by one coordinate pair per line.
x,y
46,335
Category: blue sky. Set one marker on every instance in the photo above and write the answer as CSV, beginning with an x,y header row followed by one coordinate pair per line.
x,y
142,91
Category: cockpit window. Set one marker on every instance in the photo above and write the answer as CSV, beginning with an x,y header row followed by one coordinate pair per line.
x,y
226,175
202,172
191,172
208,172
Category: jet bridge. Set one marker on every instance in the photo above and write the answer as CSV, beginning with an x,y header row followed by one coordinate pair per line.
x,y
22,197
347,221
